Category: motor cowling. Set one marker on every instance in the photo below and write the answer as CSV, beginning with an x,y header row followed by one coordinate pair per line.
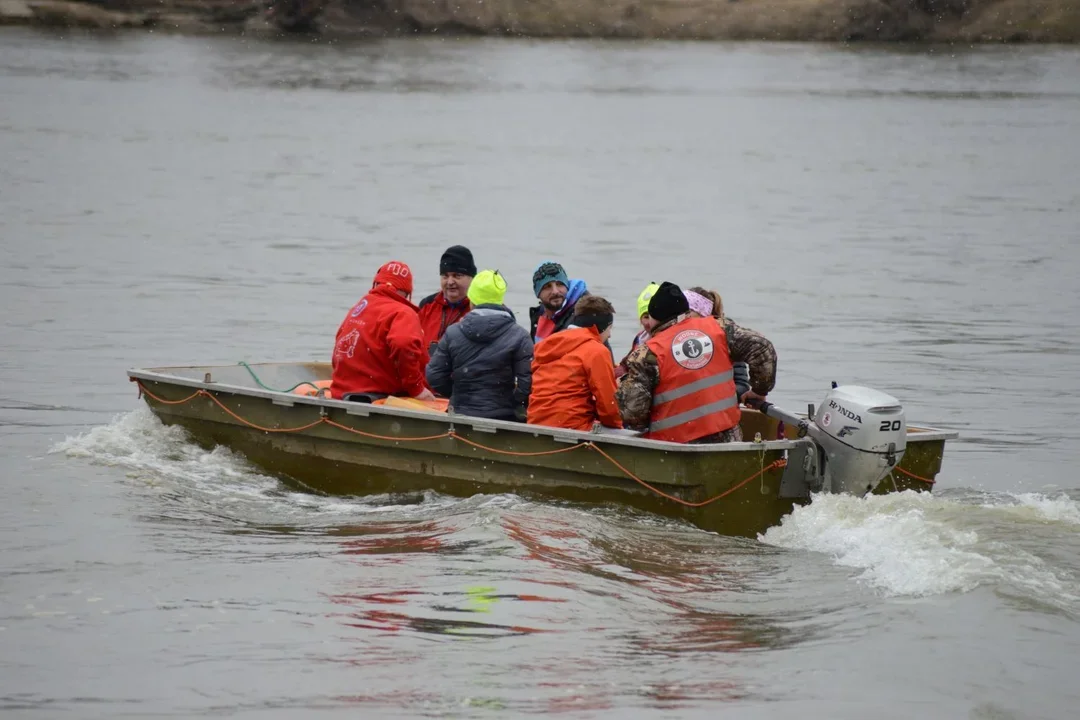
x,y
862,433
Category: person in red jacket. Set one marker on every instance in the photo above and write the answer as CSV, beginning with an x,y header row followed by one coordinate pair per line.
x,y
379,348
573,378
440,310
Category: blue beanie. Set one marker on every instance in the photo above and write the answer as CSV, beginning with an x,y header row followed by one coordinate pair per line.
x,y
545,273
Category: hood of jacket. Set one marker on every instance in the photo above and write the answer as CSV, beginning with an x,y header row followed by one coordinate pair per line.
x,y
484,323
564,343
390,293
574,292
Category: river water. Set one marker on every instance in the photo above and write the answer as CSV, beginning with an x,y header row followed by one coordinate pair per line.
x,y
901,218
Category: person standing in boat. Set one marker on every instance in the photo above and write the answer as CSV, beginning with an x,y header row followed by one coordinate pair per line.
x,y
573,378
379,349
647,324
558,295
440,310
483,363
679,384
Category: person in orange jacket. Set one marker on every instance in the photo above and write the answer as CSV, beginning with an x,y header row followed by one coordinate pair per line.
x,y
379,348
573,378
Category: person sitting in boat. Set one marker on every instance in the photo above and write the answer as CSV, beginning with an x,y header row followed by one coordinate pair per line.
x,y
379,349
679,385
647,324
557,295
747,343
484,363
573,378
440,310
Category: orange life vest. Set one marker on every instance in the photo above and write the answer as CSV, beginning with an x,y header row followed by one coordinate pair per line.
x,y
696,393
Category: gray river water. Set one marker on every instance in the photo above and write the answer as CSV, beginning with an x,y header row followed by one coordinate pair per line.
x,y
901,218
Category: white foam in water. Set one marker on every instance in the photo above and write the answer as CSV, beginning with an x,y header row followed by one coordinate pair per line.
x,y
1036,506
900,550
141,442
917,544
904,544
162,455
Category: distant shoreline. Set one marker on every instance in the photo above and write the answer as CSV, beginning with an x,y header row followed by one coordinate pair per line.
x,y
931,21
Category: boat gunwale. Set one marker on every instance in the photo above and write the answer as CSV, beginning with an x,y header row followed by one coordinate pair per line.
x,y
921,434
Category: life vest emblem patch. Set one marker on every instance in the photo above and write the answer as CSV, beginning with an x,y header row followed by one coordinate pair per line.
x,y
692,349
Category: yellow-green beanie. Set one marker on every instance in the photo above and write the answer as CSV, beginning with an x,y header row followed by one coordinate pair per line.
x,y
644,298
487,288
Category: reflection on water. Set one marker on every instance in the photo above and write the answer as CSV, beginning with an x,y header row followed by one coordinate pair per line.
x,y
605,612
608,559
473,600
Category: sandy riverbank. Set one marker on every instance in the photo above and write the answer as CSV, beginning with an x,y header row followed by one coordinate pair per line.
x,y
781,20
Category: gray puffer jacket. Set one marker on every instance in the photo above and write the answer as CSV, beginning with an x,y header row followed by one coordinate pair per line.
x,y
484,364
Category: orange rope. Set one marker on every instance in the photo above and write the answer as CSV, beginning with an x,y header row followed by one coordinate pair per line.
x,y
299,428
328,421
515,454
913,476
771,466
259,427
163,401
775,464
190,397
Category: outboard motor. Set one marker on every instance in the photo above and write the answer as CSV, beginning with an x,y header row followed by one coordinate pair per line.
x,y
860,433
863,434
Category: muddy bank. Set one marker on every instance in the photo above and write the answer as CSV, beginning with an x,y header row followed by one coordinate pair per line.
x,y
787,20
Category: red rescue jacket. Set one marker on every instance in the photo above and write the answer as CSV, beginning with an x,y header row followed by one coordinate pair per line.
x,y
696,393
380,347
436,315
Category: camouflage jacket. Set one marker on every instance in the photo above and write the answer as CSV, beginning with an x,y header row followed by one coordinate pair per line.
x,y
635,392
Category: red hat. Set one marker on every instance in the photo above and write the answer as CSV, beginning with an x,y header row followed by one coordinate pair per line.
x,y
397,274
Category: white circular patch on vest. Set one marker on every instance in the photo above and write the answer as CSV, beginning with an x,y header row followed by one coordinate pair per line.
x,y
692,349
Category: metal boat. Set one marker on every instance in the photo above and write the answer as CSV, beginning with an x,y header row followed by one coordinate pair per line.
x,y
338,447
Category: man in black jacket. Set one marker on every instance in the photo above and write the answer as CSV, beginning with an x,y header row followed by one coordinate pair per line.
x,y
484,362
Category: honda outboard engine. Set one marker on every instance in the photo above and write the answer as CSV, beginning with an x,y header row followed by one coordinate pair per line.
x,y
859,435
863,435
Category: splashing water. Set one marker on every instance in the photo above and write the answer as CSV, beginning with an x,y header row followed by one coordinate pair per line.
x,y
918,544
164,457
903,544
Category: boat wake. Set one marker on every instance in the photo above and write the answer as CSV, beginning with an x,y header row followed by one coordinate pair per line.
x,y
221,483
1023,546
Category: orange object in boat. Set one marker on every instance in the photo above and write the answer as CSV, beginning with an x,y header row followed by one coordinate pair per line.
x,y
438,405
309,391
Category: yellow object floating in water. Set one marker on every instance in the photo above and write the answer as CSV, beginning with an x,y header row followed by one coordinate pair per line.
x,y
480,598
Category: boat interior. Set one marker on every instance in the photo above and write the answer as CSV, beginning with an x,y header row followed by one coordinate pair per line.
x,y
279,379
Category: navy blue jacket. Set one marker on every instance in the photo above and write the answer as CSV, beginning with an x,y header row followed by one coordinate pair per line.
x,y
484,364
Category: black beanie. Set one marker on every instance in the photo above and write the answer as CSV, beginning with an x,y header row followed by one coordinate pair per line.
x,y
457,259
668,302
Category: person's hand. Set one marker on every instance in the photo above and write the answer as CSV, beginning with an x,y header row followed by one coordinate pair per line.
x,y
425,394
752,399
